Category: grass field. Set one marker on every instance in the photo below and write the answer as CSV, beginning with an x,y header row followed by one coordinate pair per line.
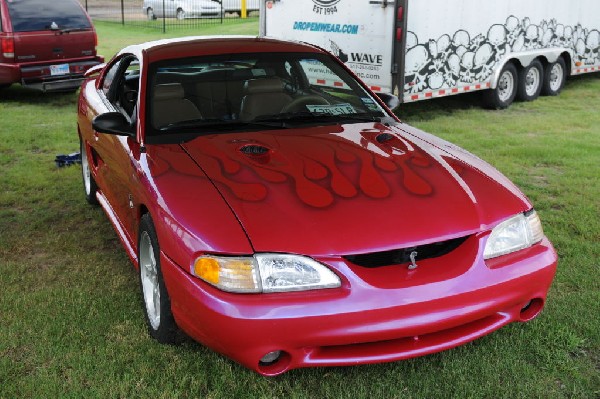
x,y
70,312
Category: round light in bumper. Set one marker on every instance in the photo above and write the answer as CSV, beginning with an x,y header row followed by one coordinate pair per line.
x,y
270,358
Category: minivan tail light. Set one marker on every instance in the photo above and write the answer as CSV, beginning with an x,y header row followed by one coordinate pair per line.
x,y
8,47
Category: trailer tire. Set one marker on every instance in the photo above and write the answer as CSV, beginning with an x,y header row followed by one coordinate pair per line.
x,y
504,94
530,81
554,77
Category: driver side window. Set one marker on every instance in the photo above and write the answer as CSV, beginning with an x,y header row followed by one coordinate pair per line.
x,y
121,85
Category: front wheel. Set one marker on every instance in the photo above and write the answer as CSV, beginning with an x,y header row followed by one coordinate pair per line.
x,y
504,94
150,14
554,78
157,305
530,81
89,184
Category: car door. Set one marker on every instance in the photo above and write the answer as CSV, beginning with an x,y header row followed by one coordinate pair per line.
x,y
170,7
118,155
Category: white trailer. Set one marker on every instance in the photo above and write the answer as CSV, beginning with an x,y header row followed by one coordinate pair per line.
x,y
421,49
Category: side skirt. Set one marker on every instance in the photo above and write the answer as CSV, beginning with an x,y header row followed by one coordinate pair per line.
x,y
114,220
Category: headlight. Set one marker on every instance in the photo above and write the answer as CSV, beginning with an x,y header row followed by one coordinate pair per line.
x,y
518,232
264,273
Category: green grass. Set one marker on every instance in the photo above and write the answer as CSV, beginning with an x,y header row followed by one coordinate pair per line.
x,y
70,311
112,36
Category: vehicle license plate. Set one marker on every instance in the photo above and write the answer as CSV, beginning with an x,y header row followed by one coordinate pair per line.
x,y
61,69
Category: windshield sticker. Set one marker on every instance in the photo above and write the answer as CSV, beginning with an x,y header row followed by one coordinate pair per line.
x,y
337,109
258,72
370,104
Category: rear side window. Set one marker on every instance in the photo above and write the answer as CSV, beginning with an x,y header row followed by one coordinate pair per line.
x,y
32,15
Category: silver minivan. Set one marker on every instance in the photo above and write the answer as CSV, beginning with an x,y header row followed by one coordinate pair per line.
x,y
181,9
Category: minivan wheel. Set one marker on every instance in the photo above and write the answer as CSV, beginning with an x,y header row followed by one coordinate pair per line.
x,y
150,14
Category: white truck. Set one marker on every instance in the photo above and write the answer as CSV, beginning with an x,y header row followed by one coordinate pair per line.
x,y
421,49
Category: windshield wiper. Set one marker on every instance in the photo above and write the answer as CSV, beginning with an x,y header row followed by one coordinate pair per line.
x,y
294,117
208,126
69,30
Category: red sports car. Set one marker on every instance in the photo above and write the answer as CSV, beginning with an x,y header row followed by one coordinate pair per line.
x,y
280,214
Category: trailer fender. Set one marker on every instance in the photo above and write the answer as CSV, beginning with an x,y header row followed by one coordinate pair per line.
x,y
524,58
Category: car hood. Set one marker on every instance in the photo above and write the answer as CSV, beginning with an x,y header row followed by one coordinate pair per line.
x,y
354,188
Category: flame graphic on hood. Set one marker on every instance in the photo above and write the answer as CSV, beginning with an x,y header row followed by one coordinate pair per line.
x,y
319,166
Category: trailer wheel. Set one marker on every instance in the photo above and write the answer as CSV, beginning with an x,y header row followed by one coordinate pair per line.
x,y
530,81
504,94
554,77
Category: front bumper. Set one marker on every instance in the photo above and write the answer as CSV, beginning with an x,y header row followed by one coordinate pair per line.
x,y
360,323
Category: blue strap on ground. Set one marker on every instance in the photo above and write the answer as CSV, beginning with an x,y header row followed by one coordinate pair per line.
x,y
67,160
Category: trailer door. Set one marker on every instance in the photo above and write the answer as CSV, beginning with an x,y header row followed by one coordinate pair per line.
x,y
361,33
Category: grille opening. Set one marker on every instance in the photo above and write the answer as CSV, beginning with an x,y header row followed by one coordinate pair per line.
x,y
402,255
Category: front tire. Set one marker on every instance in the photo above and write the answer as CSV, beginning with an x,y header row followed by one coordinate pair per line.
x,y
150,14
554,78
157,305
89,184
505,92
530,81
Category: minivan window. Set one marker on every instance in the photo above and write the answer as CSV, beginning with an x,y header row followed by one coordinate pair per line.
x,y
33,15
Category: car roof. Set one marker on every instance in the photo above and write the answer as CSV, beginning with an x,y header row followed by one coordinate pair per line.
x,y
182,47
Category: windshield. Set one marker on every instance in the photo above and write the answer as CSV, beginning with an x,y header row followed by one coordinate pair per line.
x,y
259,90
33,15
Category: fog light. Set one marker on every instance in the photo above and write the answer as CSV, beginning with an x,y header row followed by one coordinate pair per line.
x,y
270,358
531,309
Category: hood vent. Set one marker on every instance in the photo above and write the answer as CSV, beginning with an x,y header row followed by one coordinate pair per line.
x,y
400,256
384,137
254,149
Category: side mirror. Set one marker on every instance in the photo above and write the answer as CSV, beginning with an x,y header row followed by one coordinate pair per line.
x,y
390,100
113,123
94,70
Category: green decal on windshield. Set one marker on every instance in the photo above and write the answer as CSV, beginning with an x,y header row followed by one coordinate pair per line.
x,y
337,109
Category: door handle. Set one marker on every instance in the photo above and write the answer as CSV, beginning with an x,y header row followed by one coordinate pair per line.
x,y
383,3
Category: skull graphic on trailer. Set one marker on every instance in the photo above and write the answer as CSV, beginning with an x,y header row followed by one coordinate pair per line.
x,y
466,67
532,34
452,70
592,41
416,60
580,50
497,38
483,61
